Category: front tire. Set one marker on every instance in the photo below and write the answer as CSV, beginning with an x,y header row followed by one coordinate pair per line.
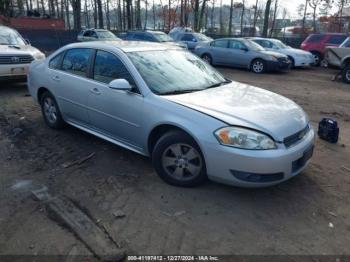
x,y
346,74
51,111
318,58
178,160
258,66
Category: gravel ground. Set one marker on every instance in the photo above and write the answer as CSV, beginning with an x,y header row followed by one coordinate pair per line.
x,y
308,215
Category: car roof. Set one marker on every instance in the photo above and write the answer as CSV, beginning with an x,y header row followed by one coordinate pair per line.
x,y
125,46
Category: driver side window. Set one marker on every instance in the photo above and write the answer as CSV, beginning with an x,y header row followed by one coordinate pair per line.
x,y
108,67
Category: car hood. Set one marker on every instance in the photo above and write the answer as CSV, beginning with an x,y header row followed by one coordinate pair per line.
x,y
272,53
17,50
244,105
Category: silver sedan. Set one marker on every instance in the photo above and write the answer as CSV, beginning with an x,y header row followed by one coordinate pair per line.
x,y
166,103
242,53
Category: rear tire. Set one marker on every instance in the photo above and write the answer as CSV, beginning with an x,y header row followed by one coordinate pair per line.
x,y
346,74
51,111
178,160
258,66
207,58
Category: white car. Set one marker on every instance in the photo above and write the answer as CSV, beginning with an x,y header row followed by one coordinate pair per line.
x,y
16,54
298,57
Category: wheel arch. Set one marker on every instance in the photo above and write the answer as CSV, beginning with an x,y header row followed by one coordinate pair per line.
x,y
161,129
345,62
40,92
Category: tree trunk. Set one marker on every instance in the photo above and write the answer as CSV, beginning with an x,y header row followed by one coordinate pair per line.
x,y
255,17
146,15
304,17
201,15
108,15
76,6
138,14
100,13
67,14
196,15
242,17
266,18
221,19
128,14
274,18
154,15
230,20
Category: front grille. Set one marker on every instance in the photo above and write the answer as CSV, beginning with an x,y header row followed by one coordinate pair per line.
x,y
15,59
295,138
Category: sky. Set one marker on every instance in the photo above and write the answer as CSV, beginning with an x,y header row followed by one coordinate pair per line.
x,y
290,5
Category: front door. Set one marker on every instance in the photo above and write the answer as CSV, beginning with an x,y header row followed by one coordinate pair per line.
x,y
115,113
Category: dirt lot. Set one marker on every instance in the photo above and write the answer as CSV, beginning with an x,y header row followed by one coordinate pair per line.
x,y
308,215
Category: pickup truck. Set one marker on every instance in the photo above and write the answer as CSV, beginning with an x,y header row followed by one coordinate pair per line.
x,y
340,57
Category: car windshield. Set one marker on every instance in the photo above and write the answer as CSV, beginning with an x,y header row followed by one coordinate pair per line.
x,y
280,44
252,45
105,34
172,72
10,37
202,37
346,43
161,37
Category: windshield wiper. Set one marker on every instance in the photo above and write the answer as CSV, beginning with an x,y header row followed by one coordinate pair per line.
x,y
219,84
178,92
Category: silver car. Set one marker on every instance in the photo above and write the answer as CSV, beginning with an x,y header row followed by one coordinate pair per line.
x,y
242,53
166,103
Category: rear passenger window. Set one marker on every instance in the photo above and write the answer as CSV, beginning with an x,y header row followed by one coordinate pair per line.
x,y
55,63
315,38
220,43
188,37
76,61
337,40
108,67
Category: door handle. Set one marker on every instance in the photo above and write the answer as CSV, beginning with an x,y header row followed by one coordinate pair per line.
x,y
56,78
95,91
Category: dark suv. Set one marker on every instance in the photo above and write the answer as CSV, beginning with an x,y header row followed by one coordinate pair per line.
x,y
317,43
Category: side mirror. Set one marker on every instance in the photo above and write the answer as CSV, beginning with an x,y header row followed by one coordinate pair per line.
x,y
120,84
194,40
244,49
27,41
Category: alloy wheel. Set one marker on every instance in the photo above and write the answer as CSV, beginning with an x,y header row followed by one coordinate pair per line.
x,y
258,66
50,110
182,161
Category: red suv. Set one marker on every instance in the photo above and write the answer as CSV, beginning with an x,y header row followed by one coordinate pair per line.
x,y
317,43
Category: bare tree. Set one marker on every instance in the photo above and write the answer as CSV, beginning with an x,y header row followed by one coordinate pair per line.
x,y
100,13
230,20
314,5
274,18
266,18
76,6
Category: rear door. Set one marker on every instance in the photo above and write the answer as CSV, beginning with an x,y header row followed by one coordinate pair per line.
x,y
116,114
71,82
219,51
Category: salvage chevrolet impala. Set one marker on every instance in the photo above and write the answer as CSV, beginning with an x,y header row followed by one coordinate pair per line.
x,y
164,102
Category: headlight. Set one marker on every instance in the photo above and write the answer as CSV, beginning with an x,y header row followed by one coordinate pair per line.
x,y
39,56
273,58
244,138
